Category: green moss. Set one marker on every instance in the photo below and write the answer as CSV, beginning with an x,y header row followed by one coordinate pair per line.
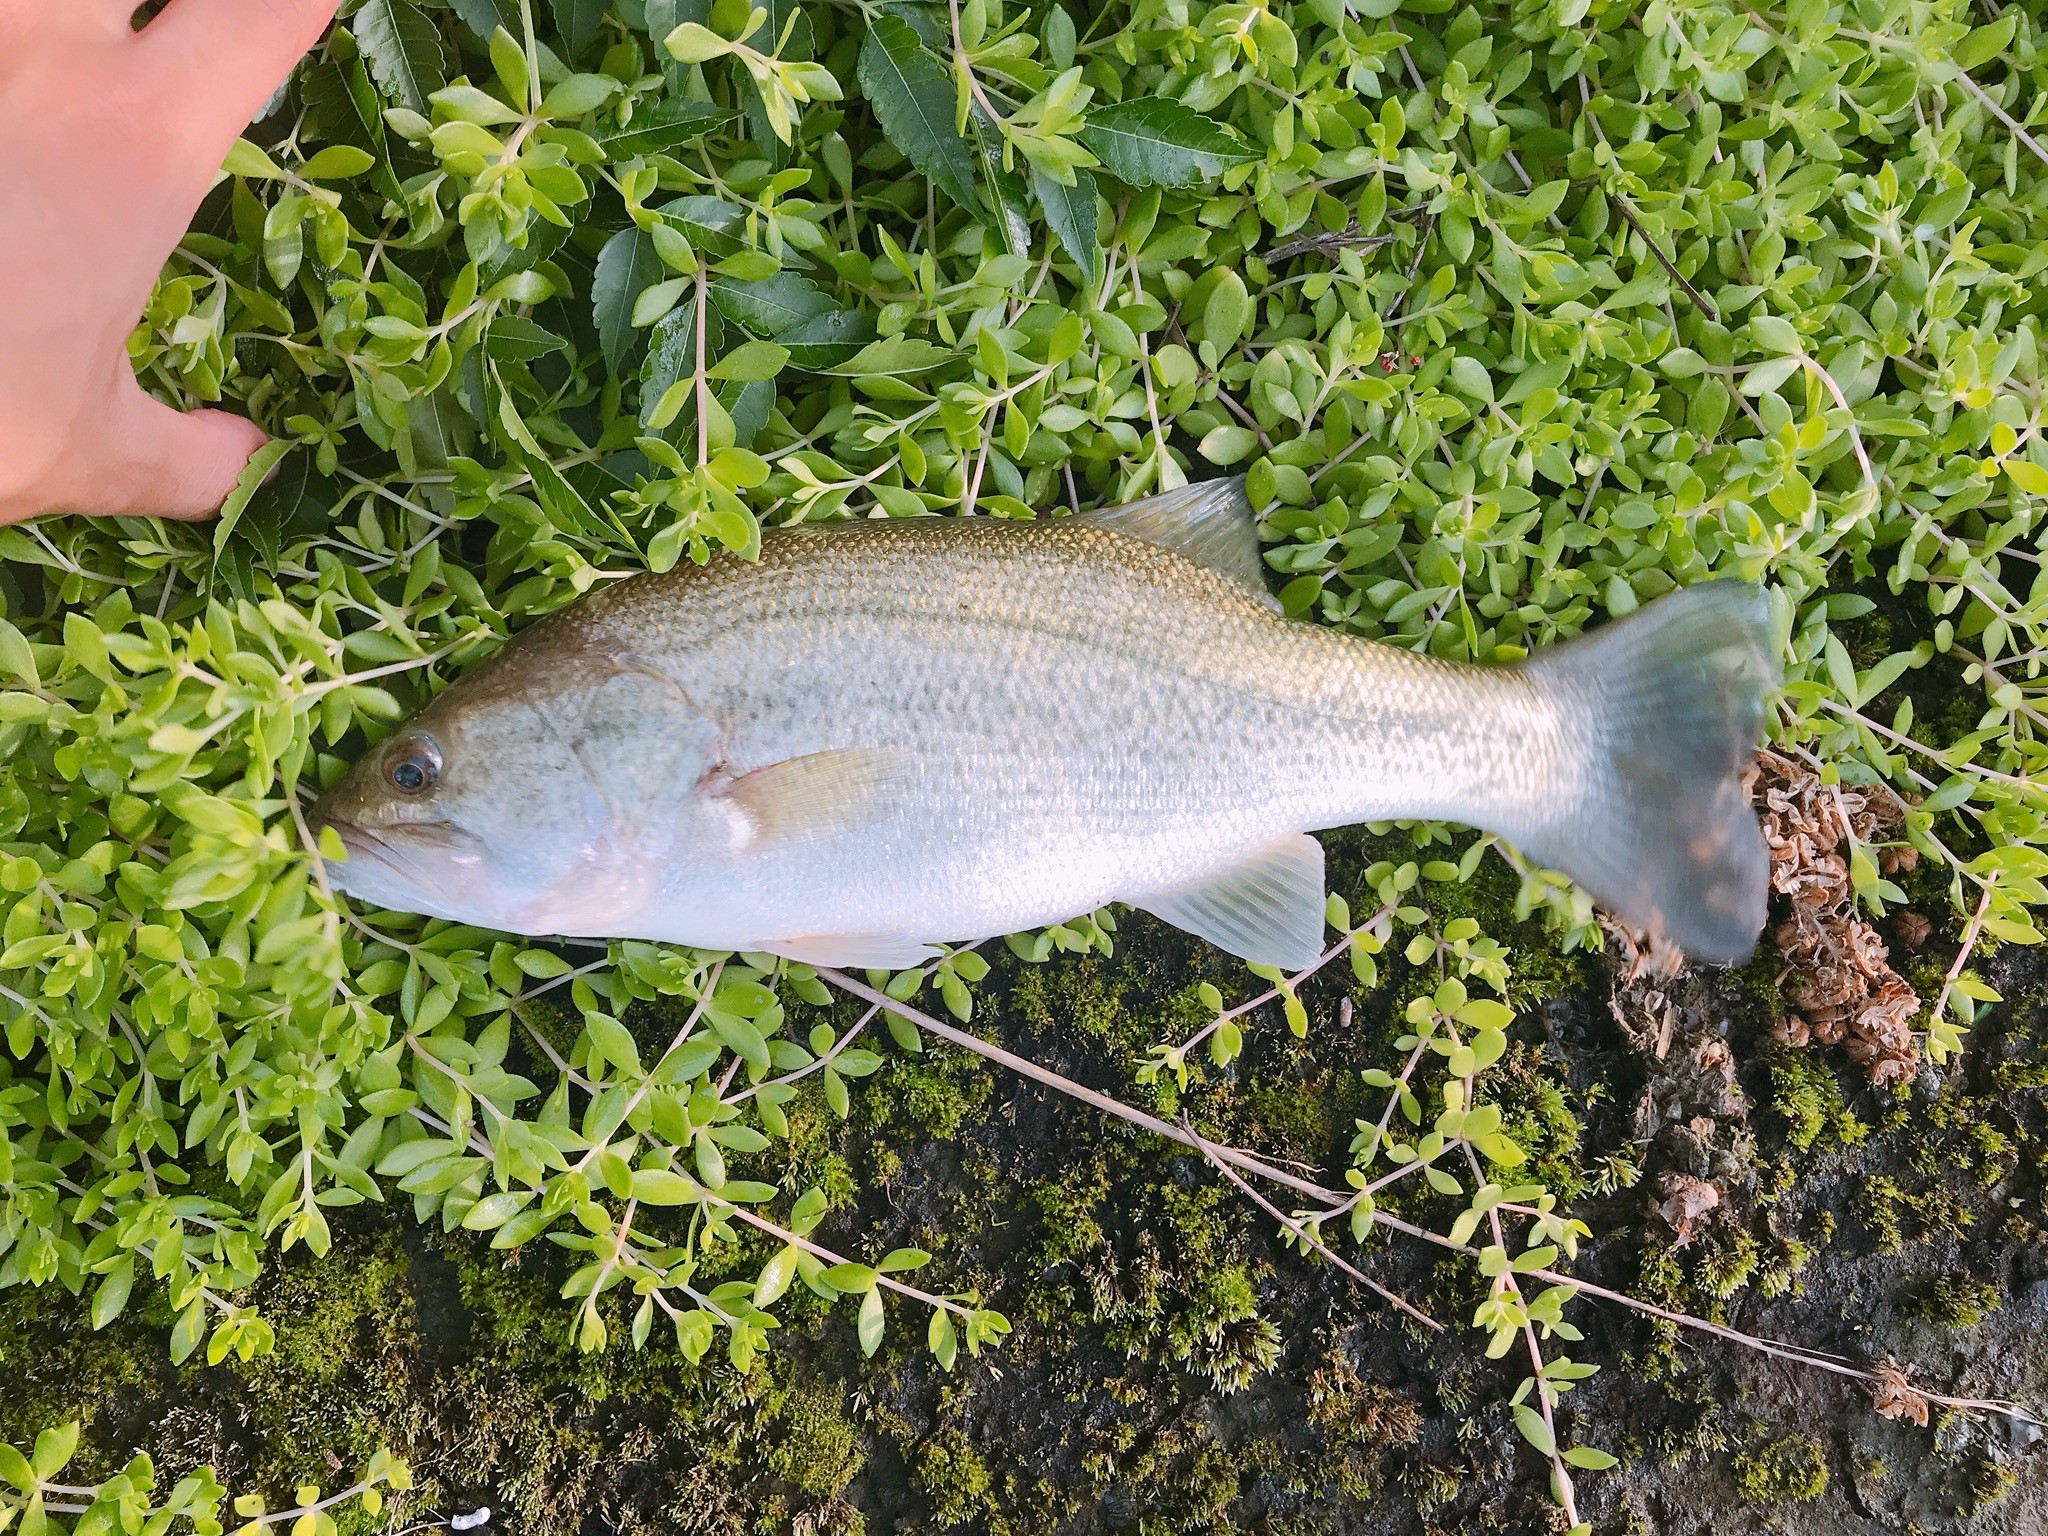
x,y
1063,1224
1537,1118
1987,1481
1295,1119
1806,1092
1780,1273
953,1476
1361,1421
1788,1470
932,1093
1541,971
1218,1331
1955,1301
1761,985
812,1443
1728,1263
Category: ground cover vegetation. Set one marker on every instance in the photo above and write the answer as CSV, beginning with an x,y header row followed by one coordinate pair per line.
x,y
1514,317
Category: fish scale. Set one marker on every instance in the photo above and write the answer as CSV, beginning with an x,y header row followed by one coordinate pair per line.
x,y
888,734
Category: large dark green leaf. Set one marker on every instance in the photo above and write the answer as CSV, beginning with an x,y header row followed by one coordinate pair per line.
x,y
513,339
436,431
773,304
543,243
626,265
1157,142
706,222
913,99
403,51
292,504
672,351
1070,215
748,405
662,125
483,17
579,21
562,502
1005,187
827,340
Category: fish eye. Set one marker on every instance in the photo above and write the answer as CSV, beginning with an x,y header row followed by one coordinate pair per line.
x,y
414,768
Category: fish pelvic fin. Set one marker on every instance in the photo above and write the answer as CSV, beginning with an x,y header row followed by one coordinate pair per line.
x,y
1209,522
855,951
1266,907
1667,705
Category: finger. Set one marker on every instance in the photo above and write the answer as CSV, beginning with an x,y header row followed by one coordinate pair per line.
x,y
156,461
37,20
223,58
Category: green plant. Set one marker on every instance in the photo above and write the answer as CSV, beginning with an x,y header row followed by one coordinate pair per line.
x,y
34,1503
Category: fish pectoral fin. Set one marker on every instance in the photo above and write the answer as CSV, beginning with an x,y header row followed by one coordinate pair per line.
x,y
817,795
1267,908
1209,523
860,951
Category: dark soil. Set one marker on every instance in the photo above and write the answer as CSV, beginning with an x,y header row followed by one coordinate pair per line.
x,y
1175,1368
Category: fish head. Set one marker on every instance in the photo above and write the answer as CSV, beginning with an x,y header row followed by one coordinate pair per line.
x,y
455,814
533,800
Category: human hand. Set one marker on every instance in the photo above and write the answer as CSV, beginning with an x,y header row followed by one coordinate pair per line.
x,y
112,138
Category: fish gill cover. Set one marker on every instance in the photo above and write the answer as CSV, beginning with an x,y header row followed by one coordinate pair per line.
x,y
1515,317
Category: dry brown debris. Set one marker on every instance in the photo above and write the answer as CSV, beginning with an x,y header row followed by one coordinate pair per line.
x,y
1838,976
1895,1397
1686,1200
1638,1001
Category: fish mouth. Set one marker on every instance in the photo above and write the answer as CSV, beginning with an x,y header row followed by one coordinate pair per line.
x,y
380,851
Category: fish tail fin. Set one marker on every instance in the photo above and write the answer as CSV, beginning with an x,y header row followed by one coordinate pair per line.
x,y
1665,707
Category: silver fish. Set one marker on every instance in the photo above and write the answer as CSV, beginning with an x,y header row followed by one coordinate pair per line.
x,y
892,733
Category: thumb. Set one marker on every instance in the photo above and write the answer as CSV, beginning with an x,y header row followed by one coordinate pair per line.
x,y
154,461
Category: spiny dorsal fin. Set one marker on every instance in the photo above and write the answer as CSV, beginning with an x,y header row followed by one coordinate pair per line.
x,y
817,795
1267,908
1210,523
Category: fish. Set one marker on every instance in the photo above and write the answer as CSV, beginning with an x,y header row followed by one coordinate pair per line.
x,y
880,737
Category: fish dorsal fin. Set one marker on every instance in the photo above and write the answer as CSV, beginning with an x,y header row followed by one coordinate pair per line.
x,y
1267,908
801,799
1209,523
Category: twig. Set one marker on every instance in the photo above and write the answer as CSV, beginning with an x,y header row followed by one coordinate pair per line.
x,y
1246,417
1776,1348
1664,261
1307,1238
2000,113
1353,234
1024,1067
703,422
1962,959
1855,437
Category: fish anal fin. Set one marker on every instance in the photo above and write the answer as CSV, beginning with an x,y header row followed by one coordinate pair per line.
x,y
857,951
1210,523
820,794
1266,908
